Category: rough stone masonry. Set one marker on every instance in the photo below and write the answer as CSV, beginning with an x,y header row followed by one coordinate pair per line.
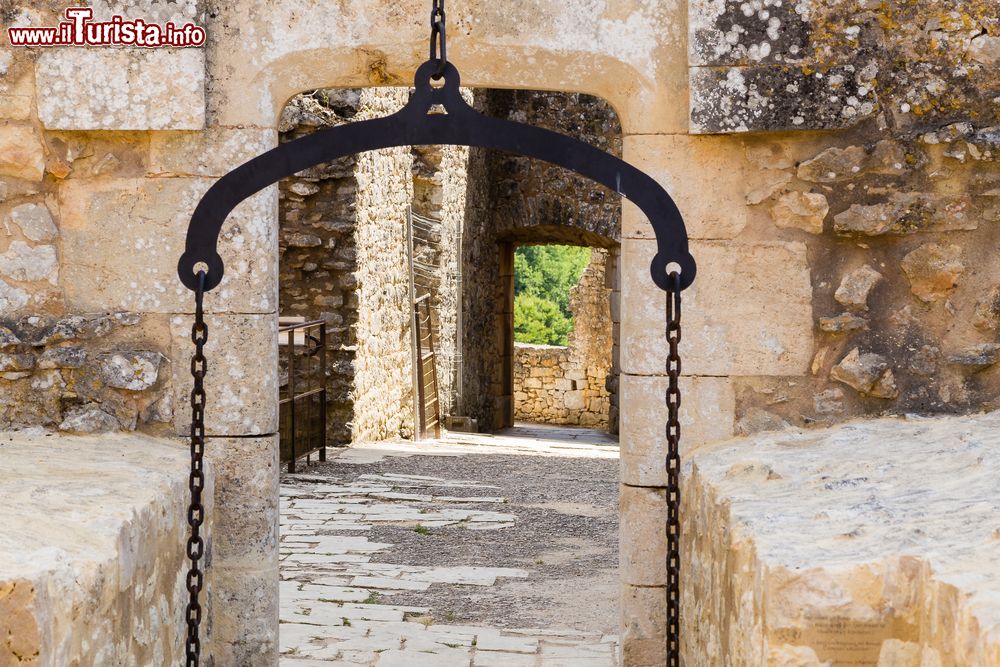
x,y
836,165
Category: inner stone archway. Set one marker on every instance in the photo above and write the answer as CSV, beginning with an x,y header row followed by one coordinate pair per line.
x,y
344,253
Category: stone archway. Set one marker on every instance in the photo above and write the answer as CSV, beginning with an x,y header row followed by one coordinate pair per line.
x,y
250,80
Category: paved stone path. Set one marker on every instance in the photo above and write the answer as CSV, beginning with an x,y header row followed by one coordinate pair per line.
x,y
436,553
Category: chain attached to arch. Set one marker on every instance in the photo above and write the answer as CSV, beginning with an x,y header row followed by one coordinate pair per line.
x,y
439,38
673,464
196,481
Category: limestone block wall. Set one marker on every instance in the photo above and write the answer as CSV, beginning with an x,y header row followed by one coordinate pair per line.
x,y
92,566
868,543
98,179
570,385
829,65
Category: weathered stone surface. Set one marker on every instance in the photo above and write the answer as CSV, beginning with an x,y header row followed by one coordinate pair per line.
x,y
933,270
93,575
773,58
241,381
868,373
121,89
21,153
860,532
159,11
743,99
89,419
842,323
642,549
829,402
245,616
751,307
977,357
23,262
987,315
906,213
130,370
756,420
245,556
707,415
17,94
8,338
34,221
775,182
801,210
833,165
140,226
12,299
644,612
837,165
855,287
215,152
985,49
739,33
62,357
670,159
246,487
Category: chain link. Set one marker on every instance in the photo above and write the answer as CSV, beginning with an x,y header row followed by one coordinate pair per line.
x,y
439,38
673,464
196,481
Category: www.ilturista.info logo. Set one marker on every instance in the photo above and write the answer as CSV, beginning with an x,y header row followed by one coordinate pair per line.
x,y
80,30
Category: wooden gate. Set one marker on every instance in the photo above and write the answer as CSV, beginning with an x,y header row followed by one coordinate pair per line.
x,y
428,402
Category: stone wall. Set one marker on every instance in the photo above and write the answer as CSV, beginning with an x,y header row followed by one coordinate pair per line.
x,y
86,132
570,385
344,259
83,373
870,543
516,200
92,566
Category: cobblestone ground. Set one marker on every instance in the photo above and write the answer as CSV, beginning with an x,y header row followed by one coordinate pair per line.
x,y
472,551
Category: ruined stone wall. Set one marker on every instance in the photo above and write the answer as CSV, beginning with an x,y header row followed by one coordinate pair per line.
x,y
344,260
569,385
517,200
317,241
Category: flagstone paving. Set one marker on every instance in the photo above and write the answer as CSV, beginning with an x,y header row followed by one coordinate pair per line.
x,y
471,551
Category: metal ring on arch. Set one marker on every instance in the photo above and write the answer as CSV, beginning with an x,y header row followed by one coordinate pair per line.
x,y
435,115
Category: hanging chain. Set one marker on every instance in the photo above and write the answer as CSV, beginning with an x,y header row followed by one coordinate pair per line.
x,y
673,332
196,482
439,38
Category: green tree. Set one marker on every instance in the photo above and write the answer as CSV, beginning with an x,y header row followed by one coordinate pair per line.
x,y
539,321
543,278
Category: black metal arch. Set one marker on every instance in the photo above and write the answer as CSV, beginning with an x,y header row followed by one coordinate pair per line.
x,y
435,115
